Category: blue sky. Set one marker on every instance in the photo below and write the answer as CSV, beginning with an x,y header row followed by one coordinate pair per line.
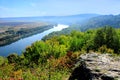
x,y
23,8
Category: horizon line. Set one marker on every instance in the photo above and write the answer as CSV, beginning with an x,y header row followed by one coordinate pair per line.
x,y
56,15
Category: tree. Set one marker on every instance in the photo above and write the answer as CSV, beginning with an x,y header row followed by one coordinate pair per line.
x,y
112,39
107,36
13,58
99,39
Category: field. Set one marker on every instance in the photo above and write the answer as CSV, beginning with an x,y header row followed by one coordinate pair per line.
x,y
13,31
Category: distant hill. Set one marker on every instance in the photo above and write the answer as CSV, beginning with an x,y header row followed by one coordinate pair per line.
x,y
83,21
101,21
92,23
12,24
53,19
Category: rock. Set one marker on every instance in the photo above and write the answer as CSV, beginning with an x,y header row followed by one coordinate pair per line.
x,y
94,66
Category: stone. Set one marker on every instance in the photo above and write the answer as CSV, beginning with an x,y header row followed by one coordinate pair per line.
x,y
94,66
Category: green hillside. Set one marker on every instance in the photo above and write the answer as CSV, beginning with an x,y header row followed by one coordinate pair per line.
x,y
92,23
54,58
100,21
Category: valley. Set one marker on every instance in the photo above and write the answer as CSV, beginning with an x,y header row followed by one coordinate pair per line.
x,y
48,50
59,40
13,31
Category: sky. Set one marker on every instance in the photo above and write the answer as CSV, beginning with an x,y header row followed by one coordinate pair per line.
x,y
26,8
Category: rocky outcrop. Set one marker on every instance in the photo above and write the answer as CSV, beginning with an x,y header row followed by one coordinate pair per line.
x,y
94,66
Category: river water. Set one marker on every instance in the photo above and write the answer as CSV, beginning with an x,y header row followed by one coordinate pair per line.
x,y
20,45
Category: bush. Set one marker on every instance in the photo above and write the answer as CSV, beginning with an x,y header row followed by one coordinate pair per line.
x,y
104,49
1,60
13,58
107,36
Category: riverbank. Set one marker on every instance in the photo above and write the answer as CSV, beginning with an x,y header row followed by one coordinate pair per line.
x,y
20,45
11,36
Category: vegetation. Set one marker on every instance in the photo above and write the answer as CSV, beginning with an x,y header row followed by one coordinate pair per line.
x,y
101,21
66,31
107,36
55,57
12,33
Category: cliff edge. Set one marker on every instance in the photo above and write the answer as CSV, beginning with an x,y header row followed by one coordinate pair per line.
x,y
94,66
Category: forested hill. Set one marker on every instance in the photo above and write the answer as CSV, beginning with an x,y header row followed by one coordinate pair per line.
x,y
55,58
99,21
92,23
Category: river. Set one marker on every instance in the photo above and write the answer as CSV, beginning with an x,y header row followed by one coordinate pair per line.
x,y
20,45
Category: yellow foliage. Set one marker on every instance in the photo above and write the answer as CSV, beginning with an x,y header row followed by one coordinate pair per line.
x,y
104,49
17,74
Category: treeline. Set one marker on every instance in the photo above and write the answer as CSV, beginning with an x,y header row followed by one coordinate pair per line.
x,y
12,35
100,21
55,57
66,31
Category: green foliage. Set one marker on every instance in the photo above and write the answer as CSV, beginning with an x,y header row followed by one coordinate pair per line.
x,y
54,58
107,36
101,21
37,51
66,31
1,60
13,58
99,39
6,71
77,41
29,76
40,51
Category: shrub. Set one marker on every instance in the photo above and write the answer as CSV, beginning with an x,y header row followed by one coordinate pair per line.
x,y
107,36
12,58
1,60
104,49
